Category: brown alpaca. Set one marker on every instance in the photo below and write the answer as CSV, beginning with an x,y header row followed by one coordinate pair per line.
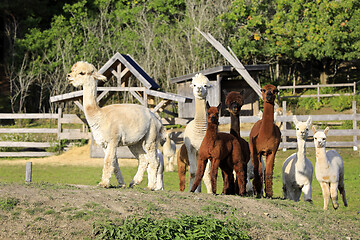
x,y
224,151
264,140
183,163
234,101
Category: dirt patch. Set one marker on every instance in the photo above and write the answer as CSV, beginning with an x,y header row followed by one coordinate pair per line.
x,y
76,156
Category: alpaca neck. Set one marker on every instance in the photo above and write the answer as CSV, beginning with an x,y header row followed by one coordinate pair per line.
x,y
211,131
200,115
235,125
301,153
321,158
91,107
267,125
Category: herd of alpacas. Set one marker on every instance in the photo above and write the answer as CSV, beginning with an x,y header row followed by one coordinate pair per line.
x,y
205,149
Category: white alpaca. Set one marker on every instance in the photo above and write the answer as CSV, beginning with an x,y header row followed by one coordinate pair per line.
x,y
169,150
196,129
116,125
329,170
297,170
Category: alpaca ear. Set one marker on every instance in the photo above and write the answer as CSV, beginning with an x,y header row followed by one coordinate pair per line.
x,y
295,120
207,105
99,76
313,129
219,107
309,121
208,85
326,130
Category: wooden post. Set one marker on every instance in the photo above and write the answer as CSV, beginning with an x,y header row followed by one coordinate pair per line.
x,y
355,147
284,127
28,174
318,92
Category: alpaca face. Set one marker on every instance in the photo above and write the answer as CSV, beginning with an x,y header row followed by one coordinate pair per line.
x,y
269,93
200,85
82,72
320,139
234,101
302,128
213,114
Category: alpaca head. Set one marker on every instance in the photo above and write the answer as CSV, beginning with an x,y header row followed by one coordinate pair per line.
x,y
320,137
234,101
302,128
200,85
212,114
83,72
269,93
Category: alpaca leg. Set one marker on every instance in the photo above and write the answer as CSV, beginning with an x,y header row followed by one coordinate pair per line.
x,y
269,174
307,192
166,162
117,172
257,181
326,194
181,169
152,169
207,178
192,154
108,168
160,171
139,154
199,174
240,178
342,192
214,173
171,163
334,194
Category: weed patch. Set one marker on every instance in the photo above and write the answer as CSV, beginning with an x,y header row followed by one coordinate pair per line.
x,y
8,204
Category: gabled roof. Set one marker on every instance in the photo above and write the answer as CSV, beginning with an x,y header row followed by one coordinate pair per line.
x,y
132,65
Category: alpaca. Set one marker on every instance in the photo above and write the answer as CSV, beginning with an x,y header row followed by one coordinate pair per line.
x,y
169,150
160,171
329,170
224,151
234,101
195,131
182,163
116,125
264,140
297,170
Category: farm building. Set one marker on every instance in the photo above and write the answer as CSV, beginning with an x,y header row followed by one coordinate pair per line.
x,y
223,79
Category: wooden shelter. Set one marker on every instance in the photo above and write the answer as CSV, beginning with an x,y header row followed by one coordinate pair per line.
x,y
122,67
223,79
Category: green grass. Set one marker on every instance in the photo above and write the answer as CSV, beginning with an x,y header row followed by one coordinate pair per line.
x,y
92,175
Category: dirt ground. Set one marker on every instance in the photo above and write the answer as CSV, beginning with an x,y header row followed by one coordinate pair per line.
x,y
47,211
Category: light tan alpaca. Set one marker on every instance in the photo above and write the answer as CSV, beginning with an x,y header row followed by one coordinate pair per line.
x,y
329,170
195,131
116,125
169,150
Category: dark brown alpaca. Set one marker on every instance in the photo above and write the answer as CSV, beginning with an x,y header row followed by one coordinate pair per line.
x,y
183,163
223,150
234,101
264,140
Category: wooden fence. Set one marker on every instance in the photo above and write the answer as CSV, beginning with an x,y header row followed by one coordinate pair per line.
x,y
318,86
288,134
38,149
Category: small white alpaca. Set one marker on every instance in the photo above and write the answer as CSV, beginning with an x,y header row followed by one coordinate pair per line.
x,y
297,170
116,125
329,170
169,150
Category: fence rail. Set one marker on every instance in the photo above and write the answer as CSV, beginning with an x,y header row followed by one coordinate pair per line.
x,y
318,86
38,149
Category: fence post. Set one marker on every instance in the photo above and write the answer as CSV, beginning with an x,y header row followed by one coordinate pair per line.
x,y
355,147
59,129
28,174
284,127
318,92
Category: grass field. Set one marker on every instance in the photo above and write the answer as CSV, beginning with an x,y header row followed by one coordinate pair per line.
x,y
91,176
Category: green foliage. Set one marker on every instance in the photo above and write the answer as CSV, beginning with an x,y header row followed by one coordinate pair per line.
x,y
310,103
184,227
341,103
7,204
